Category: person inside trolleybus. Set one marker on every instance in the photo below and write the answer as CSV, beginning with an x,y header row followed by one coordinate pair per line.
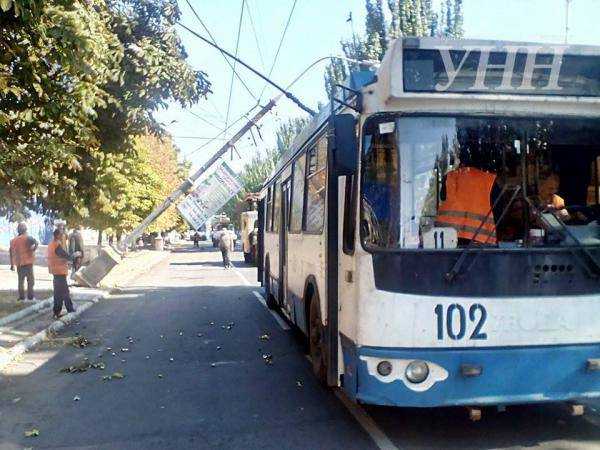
x,y
424,176
467,198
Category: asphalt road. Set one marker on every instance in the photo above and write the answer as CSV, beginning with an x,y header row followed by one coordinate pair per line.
x,y
187,340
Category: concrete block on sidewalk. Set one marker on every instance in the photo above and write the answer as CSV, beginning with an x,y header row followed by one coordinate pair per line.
x,y
92,274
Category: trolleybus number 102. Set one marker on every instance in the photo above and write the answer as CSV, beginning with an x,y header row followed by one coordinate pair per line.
x,y
454,325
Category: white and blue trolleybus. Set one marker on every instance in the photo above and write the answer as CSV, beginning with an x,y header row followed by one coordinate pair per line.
x,y
418,287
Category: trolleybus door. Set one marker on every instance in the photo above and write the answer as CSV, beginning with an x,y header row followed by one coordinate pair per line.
x,y
283,241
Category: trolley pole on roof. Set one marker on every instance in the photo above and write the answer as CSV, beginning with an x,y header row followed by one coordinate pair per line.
x,y
187,184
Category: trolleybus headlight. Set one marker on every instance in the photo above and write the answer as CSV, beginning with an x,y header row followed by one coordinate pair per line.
x,y
417,371
384,368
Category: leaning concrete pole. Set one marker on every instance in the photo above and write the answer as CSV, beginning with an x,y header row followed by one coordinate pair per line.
x,y
187,184
92,274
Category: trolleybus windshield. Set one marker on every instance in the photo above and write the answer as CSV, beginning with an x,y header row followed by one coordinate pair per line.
x,y
407,162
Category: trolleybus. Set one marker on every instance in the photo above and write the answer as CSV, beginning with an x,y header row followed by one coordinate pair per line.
x,y
407,302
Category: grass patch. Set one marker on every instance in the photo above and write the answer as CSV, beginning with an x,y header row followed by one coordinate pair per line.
x,y
9,303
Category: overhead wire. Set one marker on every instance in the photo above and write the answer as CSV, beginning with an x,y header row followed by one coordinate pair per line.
x,y
199,117
222,52
252,26
237,46
288,94
222,132
287,24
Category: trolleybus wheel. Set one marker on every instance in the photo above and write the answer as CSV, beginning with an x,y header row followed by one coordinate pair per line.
x,y
316,342
271,303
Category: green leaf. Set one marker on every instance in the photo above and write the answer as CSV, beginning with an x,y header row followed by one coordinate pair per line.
x,y
32,433
5,5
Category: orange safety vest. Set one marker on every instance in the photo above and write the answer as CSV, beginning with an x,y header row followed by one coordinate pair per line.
x,y
21,251
56,264
468,203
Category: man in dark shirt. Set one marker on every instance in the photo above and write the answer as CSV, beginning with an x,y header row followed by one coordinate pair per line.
x,y
76,245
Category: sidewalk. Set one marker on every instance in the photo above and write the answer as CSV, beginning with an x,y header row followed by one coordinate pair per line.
x,y
24,325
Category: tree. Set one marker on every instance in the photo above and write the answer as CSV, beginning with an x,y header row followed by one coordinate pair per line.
x,y
407,18
79,80
137,186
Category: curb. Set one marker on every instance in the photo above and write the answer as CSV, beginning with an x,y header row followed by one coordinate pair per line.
x,y
27,344
26,311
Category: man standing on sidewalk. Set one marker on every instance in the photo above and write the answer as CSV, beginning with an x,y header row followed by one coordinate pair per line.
x,y
58,266
22,255
76,245
226,246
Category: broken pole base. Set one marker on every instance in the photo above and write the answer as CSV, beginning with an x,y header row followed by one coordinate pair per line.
x,y
92,274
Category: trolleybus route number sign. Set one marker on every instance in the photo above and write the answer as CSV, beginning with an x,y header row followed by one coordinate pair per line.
x,y
452,322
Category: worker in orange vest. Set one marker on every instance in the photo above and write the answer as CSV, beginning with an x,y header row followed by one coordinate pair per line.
x,y
58,266
467,205
22,256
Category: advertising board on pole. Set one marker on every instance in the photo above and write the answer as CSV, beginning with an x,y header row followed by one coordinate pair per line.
x,y
210,196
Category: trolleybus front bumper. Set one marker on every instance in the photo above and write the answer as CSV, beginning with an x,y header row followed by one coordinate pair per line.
x,y
473,376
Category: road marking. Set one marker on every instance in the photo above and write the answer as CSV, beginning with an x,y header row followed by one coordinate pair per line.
x,y
282,323
365,421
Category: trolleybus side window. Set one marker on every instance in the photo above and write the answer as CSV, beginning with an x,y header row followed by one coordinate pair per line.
x,y
269,210
298,195
276,205
316,182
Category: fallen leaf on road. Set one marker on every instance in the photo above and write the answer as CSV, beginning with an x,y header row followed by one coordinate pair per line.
x,y
32,433
264,337
118,376
80,342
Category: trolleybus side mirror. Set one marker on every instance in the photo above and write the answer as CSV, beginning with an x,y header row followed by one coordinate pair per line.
x,y
346,150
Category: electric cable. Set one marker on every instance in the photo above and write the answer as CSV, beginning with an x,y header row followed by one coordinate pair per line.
x,y
288,94
260,55
203,119
221,133
214,42
287,24
237,46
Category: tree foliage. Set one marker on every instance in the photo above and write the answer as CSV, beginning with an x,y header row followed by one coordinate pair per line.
x,y
407,18
79,82
135,186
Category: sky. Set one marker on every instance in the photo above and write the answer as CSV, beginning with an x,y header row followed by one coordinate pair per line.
x,y
314,31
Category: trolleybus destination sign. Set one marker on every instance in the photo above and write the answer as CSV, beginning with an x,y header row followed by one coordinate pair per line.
x,y
502,69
